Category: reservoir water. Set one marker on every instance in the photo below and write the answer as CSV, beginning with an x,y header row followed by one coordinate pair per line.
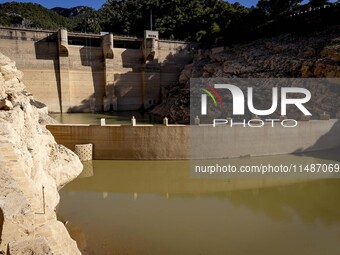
x,y
155,207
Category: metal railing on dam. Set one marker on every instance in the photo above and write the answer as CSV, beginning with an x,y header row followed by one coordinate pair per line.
x,y
162,142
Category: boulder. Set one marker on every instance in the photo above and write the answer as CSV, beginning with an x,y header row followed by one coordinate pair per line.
x,y
4,60
331,52
32,164
309,52
8,71
307,70
6,105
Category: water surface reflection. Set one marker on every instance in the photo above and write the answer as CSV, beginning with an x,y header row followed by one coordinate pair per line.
x,y
154,207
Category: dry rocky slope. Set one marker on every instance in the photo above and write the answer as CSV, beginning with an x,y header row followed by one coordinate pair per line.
x,y
301,56
33,167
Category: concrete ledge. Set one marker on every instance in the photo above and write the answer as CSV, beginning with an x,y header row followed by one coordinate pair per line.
x,y
173,142
127,142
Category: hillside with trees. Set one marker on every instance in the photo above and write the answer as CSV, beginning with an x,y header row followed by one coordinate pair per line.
x,y
193,20
31,15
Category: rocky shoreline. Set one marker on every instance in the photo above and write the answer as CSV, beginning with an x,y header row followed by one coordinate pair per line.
x,y
33,168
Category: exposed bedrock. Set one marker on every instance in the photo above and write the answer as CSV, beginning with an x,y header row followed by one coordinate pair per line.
x,y
33,167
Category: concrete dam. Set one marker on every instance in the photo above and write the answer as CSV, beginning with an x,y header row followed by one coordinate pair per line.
x,y
76,72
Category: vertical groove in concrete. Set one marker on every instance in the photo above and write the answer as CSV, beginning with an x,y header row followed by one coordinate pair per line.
x,y
64,71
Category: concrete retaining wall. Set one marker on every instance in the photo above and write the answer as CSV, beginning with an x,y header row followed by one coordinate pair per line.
x,y
127,142
226,141
173,142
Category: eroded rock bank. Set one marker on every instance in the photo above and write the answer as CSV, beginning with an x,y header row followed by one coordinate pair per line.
x,y
33,167
315,55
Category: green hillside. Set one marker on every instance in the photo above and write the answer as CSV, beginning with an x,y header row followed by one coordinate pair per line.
x,y
177,19
72,12
32,15
204,21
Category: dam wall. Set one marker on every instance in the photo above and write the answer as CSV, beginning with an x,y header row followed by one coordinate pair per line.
x,y
74,72
174,142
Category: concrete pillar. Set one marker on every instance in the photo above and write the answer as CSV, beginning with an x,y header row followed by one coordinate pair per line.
x,y
63,43
133,121
84,151
108,46
110,99
165,121
150,47
102,122
197,120
64,86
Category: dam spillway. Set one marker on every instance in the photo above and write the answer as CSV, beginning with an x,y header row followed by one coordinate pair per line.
x,y
77,72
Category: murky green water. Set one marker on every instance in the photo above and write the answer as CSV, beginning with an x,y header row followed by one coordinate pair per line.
x,y
154,207
111,118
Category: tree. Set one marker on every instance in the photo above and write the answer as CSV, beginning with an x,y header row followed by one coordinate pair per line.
x,y
277,7
179,19
87,22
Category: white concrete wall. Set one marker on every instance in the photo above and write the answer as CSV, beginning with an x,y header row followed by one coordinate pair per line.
x,y
173,142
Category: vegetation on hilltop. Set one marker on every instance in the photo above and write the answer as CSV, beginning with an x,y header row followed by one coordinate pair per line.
x,y
72,12
86,18
195,20
32,15
179,19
